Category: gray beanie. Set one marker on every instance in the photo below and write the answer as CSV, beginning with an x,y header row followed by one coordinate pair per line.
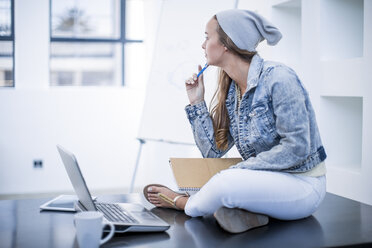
x,y
246,28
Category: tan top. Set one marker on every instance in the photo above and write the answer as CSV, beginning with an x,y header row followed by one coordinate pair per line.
x,y
317,171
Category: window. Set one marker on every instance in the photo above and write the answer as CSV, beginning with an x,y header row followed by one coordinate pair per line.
x,y
90,40
6,43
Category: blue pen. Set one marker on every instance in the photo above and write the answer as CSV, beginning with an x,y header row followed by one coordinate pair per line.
x,y
202,70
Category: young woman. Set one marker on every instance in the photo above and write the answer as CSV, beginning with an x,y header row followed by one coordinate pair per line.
x,y
262,108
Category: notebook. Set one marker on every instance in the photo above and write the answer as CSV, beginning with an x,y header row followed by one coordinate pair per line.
x,y
192,173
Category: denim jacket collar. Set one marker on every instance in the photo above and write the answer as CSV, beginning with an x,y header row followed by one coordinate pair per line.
x,y
254,73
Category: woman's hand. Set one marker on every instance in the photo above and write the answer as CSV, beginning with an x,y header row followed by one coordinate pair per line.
x,y
195,88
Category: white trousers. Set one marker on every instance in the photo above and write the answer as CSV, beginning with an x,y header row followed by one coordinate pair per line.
x,y
279,195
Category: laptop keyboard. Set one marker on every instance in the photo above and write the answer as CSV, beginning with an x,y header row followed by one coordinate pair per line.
x,y
115,213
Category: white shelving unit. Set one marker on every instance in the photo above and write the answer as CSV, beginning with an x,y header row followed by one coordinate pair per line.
x,y
344,113
329,44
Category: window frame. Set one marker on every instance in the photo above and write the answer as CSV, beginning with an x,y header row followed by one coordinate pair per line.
x,y
121,40
11,39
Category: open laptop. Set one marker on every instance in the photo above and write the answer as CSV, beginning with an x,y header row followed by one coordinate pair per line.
x,y
127,217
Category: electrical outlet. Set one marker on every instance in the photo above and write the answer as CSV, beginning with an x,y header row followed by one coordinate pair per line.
x,y
38,163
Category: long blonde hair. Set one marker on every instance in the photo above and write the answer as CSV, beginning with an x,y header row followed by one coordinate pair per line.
x,y
219,112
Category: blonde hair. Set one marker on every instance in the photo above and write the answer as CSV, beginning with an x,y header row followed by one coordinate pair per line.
x,y
219,112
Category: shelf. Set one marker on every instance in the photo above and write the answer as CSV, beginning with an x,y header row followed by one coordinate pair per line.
x,y
346,182
353,169
341,125
341,29
343,77
286,3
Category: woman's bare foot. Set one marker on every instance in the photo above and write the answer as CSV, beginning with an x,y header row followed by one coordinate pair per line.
x,y
154,198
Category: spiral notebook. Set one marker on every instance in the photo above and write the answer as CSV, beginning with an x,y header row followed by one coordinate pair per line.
x,y
192,173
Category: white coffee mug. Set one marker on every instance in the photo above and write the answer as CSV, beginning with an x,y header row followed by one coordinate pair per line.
x,y
89,227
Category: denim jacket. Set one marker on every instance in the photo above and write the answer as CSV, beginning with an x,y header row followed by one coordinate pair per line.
x,y
273,129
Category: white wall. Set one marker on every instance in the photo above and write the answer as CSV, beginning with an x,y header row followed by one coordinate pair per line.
x,y
98,124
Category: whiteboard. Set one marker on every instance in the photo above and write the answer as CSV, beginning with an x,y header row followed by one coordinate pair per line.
x,y
177,53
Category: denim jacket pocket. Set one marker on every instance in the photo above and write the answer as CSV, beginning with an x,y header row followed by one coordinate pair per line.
x,y
263,124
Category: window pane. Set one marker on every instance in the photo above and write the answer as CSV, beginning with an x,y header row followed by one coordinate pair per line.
x,y
86,18
134,65
134,20
5,18
6,63
85,64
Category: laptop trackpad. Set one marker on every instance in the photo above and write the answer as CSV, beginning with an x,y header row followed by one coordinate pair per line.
x,y
144,216
139,212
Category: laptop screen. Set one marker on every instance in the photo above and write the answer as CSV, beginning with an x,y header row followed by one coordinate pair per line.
x,y
76,179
